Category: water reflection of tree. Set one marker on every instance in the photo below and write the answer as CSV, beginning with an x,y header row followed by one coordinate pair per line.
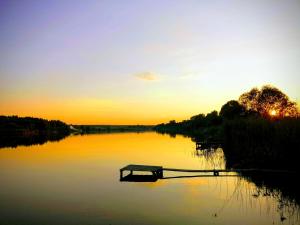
x,y
211,158
26,140
282,188
268,201
277,194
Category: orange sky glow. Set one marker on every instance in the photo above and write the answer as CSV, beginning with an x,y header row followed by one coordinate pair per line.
x,y
140,63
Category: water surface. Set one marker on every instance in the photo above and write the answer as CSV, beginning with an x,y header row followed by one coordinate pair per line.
x,y
76,181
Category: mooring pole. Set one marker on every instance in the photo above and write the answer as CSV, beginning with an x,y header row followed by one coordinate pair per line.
x,y
121,174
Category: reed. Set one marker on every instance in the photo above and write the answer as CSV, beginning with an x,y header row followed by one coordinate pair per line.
x,y
259,142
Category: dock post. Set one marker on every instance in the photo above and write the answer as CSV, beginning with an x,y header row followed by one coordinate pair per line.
x,y
154,173
216,173
121,174
161,175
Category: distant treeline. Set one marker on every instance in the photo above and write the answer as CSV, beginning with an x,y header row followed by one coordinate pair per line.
x,y
30,125
261,129
90,129
200,127
16,130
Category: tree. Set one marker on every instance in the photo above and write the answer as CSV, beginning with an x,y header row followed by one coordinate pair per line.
x,y
172,122
269,101
213,119
232,109
198,120
198,117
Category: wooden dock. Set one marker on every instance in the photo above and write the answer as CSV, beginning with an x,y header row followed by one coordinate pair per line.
x,y
157,172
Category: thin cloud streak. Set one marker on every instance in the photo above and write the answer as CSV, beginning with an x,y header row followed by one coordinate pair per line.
x,y
147,76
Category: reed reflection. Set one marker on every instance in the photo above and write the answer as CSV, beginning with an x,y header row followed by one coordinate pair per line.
x,y
87,190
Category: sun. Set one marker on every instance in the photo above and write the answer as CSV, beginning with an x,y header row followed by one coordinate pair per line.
x,y
273,112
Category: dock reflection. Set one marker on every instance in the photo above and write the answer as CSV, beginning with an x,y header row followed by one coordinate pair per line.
x,y
139,178
151,178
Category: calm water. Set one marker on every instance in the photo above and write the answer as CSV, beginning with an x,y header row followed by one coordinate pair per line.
x,y
76,181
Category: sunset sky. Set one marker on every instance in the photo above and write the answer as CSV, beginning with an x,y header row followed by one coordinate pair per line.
x,y
142,62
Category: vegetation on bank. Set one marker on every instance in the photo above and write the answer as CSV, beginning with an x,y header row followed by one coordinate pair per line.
x,y
257,142
91,129
16,130
261,129
199,127
30,125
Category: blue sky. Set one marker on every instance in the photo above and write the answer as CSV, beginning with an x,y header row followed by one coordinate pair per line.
x,y
142,61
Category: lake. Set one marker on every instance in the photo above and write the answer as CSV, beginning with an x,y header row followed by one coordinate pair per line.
x,y
76,181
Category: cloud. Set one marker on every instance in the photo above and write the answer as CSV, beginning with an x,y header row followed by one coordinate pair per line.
x,y
147,76
190,75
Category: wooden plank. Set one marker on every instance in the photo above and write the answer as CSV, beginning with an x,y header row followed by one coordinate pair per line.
x,y
133,167
201,171
229,170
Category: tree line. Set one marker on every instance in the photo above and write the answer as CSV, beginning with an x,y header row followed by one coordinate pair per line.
x,y
260,129
30,125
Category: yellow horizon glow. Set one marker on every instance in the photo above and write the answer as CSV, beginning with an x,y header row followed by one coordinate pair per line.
x,y
90,111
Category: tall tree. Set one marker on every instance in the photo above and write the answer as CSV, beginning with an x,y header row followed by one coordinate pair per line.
x,y
269,101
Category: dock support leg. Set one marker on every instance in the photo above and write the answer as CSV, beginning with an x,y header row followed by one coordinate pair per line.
x,y
161,175
121,174
158,174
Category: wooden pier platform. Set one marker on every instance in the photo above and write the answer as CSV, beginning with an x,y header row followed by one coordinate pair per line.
x,y
157,172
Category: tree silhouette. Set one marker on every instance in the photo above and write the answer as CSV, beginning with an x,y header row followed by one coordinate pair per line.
x,y
232,109
269,101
